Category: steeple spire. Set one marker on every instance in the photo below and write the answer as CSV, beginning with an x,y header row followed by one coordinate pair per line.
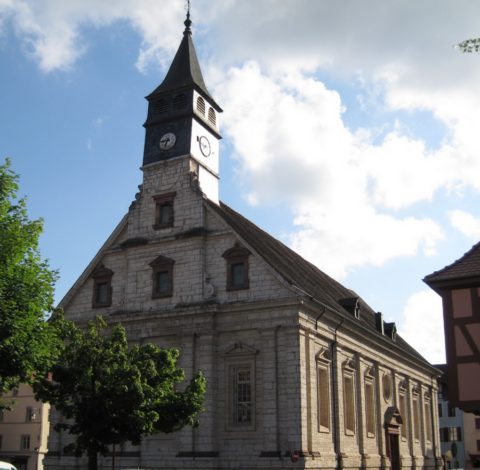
x,y
185,69
187,22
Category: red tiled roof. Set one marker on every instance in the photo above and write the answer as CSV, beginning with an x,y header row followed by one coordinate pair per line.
x,y
467,266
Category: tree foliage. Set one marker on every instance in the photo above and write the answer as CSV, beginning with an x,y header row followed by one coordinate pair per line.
x,y
27,342
470,45
111,394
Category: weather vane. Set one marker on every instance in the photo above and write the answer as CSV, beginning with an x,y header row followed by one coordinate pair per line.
x,y
187,22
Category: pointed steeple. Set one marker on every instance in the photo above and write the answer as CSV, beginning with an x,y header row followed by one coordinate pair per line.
x,y
183,119
185,69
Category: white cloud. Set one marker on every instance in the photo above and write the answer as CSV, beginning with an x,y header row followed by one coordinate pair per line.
x,y
350,193
421,325
293,147
51,30
465,223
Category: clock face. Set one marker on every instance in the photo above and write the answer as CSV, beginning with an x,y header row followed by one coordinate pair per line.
x,y
205,147
167,141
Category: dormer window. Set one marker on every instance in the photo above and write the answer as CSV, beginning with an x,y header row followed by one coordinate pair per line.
x,y
237,268
162,277
201,105
102,287
212,117
352,305
164,213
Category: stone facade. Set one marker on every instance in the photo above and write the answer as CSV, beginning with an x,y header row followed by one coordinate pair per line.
x,y
277,348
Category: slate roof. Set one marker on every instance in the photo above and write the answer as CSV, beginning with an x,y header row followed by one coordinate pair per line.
x,y
302,274
184,71
465,267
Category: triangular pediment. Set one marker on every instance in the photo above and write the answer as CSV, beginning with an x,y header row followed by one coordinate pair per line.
x,y
240,349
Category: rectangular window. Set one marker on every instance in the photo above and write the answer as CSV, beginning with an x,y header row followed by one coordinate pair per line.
x,y
238,275
25,442
416,419
102,293
323,398
428,421
164,213
29,414
102,287
242,395
370,408
243,398
454,434
451,410
440,410
477,423
402,401
349,403
478,445
162,277
1,438
237,268
164,283
1,416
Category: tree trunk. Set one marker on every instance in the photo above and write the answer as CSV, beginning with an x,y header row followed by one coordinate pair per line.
x,y
92,460
113,456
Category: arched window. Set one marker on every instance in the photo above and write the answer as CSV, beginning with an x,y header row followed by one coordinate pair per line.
x,y
160,106
180,101
201,105
212,116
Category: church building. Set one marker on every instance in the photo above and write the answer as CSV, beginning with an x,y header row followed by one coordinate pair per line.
x,y
301,372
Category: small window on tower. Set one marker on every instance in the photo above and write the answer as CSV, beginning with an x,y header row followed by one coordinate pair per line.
x,y
201,105
164,214
160,107
102,287
237,268
162,277
180,101
212,117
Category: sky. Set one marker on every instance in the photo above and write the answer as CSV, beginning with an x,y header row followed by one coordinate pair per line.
x,y
350,129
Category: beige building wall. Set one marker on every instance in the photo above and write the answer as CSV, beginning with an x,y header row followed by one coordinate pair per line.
x,y
471,428
24,430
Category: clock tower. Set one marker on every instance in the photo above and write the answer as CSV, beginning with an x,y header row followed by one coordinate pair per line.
x,y
182,118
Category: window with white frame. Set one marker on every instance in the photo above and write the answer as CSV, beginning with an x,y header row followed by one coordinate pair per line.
x,y
240,387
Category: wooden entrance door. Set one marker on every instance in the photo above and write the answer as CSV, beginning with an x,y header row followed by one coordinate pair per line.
x,y
394,449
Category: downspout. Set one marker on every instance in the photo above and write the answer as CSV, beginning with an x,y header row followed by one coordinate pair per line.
x,y
194,347
334,379
277,393
335,417
433,425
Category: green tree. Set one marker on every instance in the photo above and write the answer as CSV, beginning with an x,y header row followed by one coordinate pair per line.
x,y
27,342
470,45
111,394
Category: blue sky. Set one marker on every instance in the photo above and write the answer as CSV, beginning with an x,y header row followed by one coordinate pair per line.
x,y
350,129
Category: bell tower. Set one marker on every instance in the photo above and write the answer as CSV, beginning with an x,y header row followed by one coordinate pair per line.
x,y
183,118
